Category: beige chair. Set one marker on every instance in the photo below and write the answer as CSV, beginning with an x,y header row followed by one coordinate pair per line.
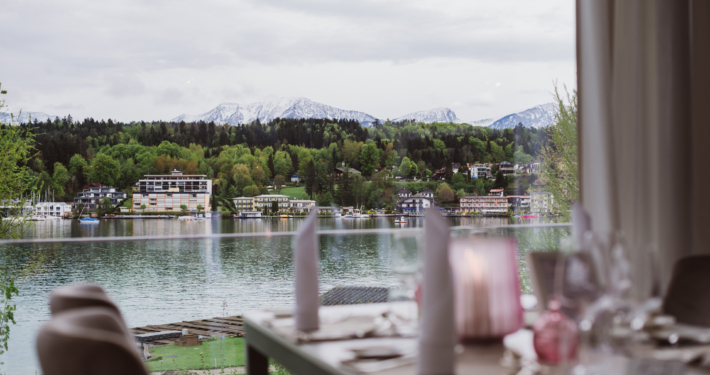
x,y
688,295
81,296
87,341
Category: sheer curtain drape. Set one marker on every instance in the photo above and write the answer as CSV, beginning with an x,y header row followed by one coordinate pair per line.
x,y
644,126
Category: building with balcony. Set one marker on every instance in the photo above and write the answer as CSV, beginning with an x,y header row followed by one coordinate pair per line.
x,y
480,170
541,201
484,204
416,203
519,202
404,193
264,201
243,203
92,195
302,205
56,209
506,168
166,193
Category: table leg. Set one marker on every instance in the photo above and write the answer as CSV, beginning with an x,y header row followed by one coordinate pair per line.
x,y
257,363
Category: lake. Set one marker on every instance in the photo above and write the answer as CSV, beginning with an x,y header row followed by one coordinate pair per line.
x,y
156,282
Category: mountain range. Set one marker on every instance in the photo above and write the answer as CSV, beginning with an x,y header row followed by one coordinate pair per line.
x,y
234,114
25,117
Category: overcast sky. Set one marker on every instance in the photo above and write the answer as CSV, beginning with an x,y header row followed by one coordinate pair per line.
x,y
150,60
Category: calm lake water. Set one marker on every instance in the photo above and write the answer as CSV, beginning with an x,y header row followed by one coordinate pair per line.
x,y
169,281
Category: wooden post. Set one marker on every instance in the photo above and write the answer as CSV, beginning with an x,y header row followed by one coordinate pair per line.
x,y
257,363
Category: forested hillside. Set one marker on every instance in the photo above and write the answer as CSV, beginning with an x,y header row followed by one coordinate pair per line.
x,y
241,160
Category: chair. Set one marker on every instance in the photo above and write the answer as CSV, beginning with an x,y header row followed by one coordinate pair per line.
x,y
87,341
80,296
688,295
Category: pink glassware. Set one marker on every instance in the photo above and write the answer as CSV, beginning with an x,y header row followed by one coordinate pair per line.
x,y
554,335
486,288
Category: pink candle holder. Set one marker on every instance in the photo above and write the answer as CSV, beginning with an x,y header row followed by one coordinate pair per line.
x,y
486,288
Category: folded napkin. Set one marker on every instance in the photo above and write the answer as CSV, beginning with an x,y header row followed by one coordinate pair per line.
x,y
437,338
305,265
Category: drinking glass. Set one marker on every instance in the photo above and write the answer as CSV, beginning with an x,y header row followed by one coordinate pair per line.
x,y
405,264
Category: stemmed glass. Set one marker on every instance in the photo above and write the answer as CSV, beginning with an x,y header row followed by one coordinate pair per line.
x,y
405,264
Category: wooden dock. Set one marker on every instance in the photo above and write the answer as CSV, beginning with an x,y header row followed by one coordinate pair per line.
x,y
230,326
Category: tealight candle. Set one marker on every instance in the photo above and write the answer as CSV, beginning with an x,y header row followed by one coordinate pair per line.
x,y
486,288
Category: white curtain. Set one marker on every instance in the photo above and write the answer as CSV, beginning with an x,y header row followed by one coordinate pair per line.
x,y
642,135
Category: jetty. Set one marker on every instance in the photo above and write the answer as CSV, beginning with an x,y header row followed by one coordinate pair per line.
x,y
230,326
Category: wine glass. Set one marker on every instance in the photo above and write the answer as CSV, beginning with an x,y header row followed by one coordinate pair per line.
x,y
405,264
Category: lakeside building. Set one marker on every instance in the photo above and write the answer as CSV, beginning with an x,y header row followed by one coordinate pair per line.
x,y
302,205
404,193
497,192
264,201
506,168
417,202
484,204
519,202
93,193
166,193
54,209
541,201
243,203
479,170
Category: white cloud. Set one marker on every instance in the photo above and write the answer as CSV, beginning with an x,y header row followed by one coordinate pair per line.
x,y
132,60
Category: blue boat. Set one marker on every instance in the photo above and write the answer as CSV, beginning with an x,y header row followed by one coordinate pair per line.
x,y
89,220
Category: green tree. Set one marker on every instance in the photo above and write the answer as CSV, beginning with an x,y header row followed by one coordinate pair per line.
x,y
501,180
78,168
559,169
199,208
445,193
59,179
143,207
326,199
105,170
183,208
258,175
521,157
458,178
105,207
310,177
274,207
16,151
405,167
369,157
279,181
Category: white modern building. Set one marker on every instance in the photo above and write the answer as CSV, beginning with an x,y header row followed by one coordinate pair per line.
x,y
54,209
302,205
541,201
166,193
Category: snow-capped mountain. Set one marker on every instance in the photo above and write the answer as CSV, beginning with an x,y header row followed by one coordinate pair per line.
x,y
484,122
440,114
25,117
234,113
536,117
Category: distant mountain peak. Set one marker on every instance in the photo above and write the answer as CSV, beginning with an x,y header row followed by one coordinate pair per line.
x,y
538,116
440,114
25,117
265,111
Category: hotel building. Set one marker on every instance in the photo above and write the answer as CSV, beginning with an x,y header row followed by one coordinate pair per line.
x,y
264,201
166,193
484,204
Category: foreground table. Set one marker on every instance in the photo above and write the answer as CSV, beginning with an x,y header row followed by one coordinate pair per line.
x,y
317,358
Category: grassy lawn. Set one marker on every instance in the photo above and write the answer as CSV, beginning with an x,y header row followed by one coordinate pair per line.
x,y
190,358
292,192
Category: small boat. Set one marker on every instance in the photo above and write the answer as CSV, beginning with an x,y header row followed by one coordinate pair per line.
x,y
528,216
401,220
189,218
284,216
89,220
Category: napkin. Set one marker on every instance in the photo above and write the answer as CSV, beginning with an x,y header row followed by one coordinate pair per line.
x,y
581,224
437,338
305,265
